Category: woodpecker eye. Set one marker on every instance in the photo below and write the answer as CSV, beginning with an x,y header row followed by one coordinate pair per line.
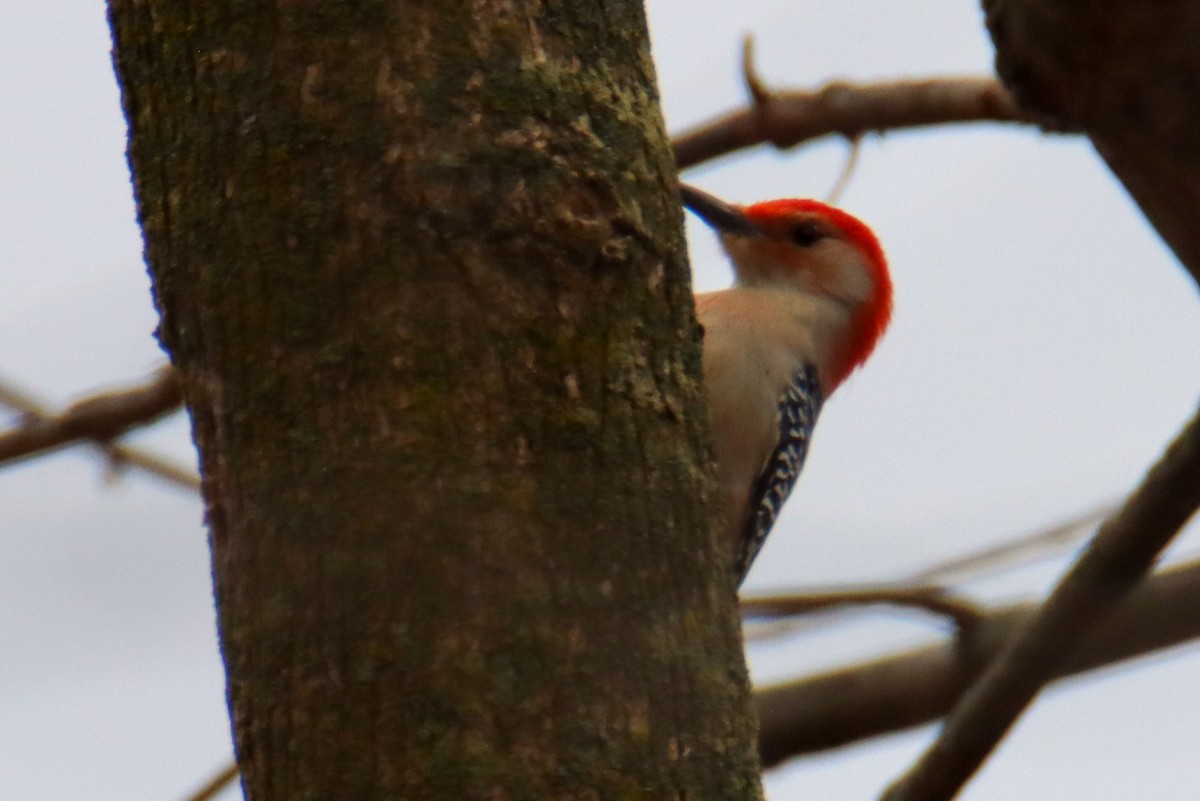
x,y
805,234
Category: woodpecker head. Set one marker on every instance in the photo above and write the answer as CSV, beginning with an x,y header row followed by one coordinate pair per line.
x,y
808,247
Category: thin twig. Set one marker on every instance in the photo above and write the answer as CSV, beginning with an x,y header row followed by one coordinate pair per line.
x,y
788,118
760,95
1119,556
216,783
1007,556
1037,545
933,600
843,179
121,455
911,688
97,420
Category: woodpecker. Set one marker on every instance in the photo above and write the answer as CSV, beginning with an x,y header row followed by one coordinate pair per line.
x,y
811,298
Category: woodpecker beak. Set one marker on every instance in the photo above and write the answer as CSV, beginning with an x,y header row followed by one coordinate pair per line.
x,y
723,217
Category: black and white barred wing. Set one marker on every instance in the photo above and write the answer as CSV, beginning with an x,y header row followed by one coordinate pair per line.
x,y
796,418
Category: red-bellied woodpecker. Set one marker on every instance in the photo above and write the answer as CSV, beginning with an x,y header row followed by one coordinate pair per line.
x,y
811,298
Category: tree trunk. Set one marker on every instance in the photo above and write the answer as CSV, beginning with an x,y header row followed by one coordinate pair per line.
x,y
420,266
1127,74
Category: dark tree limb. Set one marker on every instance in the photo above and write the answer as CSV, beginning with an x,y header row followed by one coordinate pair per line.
x,y
1116,560
1125,74
834,709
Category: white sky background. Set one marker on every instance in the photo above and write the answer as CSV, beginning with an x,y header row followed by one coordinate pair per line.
x,y
1043,352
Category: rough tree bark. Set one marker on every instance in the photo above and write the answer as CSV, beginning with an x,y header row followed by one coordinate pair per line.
x,y
420,266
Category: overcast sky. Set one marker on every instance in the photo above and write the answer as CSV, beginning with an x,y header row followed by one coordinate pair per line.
x,y
1043,352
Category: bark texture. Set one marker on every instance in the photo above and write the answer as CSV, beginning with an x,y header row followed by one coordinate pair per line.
x,y
1128,74
420,266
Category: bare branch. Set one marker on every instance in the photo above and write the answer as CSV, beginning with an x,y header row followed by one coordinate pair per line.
x,y
91,419
933,600
917,586
1118,557
122,455
760,95
909,689
788,118
1037,545
216,783
99,417
843,179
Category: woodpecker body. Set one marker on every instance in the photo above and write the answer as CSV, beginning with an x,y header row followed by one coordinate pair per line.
x,y
811,298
